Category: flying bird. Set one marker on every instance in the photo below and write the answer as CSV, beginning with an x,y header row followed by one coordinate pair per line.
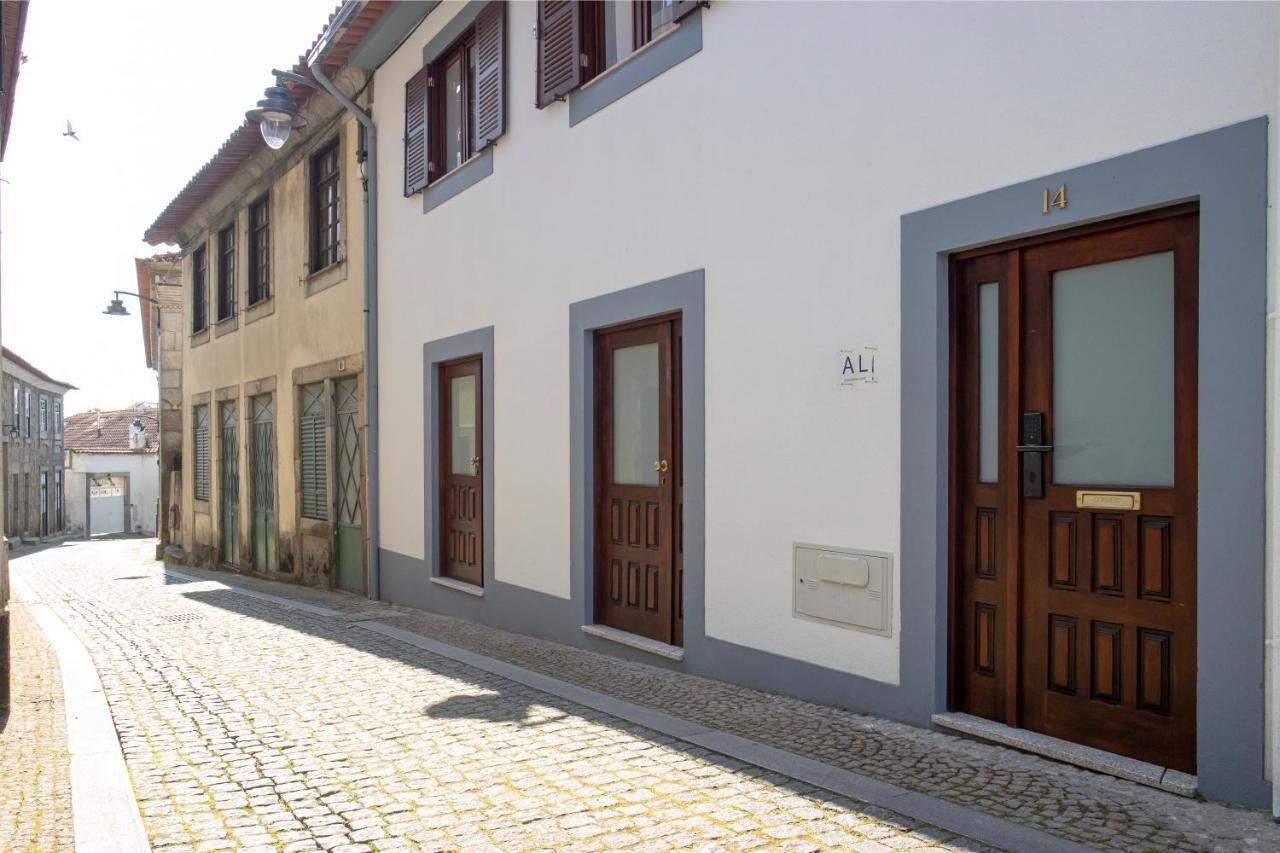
x,y
23,58
70,132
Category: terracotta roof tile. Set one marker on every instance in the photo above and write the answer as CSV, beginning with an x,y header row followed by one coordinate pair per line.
x,y
245,141
108,432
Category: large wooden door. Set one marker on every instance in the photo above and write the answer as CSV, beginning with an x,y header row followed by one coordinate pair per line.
x,y
229,485
1074,487
262,482
348,474
461,498
638,479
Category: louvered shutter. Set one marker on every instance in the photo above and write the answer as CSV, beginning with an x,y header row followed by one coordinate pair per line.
x,y
559,49
491,71
415,131
311,452
201,478
680,8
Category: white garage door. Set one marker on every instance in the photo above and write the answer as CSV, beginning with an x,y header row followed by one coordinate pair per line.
x,y
106,504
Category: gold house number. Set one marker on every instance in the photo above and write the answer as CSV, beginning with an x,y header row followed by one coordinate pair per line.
x,y
1058,199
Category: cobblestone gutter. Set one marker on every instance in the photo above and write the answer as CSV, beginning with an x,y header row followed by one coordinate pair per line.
x,y
35,787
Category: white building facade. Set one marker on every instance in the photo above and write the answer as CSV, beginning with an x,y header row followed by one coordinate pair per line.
x,y
113,472
911,358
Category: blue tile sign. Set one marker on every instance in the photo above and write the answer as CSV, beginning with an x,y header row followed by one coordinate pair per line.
x,y
858,366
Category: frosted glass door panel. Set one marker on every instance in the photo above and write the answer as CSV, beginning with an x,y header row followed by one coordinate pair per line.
x,y
462,393
988,382
1113,373
635,415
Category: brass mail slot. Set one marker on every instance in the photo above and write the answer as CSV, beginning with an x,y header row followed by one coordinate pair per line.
x,y
1109,500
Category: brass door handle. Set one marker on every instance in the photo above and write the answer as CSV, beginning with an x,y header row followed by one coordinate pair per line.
x,y
475,461
660,466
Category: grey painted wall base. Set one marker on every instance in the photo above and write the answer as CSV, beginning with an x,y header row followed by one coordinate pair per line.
x,y
1226,170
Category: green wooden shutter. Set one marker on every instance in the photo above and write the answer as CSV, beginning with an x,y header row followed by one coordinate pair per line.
x,y
201,473
311,452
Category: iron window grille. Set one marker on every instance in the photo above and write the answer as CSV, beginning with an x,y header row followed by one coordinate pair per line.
x,y
44,417
260,250
325,211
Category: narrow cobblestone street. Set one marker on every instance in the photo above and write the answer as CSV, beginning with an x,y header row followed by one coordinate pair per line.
x,y
247,724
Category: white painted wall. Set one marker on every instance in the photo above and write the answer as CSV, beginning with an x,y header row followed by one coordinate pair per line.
x,y
780,159
143,470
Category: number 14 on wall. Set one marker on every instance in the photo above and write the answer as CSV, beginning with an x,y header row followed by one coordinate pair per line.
x,y
1058,199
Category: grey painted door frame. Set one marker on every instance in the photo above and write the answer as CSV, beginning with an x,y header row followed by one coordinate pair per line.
x,y
1225,170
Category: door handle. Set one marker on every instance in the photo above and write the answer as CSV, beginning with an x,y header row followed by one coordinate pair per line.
x,y
475,461
661,466
1034,448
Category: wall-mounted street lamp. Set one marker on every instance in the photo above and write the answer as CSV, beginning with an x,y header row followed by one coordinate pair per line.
x,y
277,112
116,307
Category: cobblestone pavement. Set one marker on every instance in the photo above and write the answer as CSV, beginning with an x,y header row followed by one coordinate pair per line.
x,y
248,725
1077,804
35,792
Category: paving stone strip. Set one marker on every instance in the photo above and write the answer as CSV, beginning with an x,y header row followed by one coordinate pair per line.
x,y
1076,804
266,728
35,787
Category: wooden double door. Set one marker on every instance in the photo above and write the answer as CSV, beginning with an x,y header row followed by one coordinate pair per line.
x,y
639,480
1073,486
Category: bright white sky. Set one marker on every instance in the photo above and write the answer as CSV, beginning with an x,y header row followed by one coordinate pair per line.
x,y
152,89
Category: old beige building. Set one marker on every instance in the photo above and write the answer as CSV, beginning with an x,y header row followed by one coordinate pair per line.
x,y
271,478
32,460
160,292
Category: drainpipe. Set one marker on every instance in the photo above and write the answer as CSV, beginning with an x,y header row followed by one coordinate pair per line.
x,y
370,295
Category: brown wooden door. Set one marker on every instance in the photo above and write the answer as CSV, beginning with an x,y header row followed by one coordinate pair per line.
x,y
637,479
1075,581
461,498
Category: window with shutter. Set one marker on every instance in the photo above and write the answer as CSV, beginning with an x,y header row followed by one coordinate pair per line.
x,y
199,290
227,272
260,250
490,98
559,49
200,440
311,452
415,131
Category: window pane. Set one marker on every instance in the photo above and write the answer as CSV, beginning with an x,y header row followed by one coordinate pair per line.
x,y
988,382
1113,373
470,104
635,414
453,115
462,424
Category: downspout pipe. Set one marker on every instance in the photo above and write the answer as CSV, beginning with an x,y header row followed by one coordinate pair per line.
x,y
370,296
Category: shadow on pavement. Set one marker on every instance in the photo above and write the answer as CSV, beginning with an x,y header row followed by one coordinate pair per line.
x,y
512,704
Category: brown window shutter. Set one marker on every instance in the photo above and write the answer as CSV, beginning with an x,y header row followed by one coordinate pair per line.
x,y
491,70
415,131
680,8
559,49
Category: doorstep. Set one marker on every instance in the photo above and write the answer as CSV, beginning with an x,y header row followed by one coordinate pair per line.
x,y
1100,761
635,641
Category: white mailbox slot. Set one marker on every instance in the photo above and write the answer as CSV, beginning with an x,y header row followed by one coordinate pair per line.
x,y
845,587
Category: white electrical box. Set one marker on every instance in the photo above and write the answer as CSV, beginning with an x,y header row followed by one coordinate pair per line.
x,y
845,587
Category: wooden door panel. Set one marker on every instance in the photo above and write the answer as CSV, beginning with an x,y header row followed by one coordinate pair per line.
x,y
636,556
461,492
1075,621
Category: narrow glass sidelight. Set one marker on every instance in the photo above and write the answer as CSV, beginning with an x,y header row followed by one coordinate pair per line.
x,y
635,415
1113,373
988,382
463,450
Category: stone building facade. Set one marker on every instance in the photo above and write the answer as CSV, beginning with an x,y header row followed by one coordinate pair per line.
x,y
160,279
271,372
32,460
